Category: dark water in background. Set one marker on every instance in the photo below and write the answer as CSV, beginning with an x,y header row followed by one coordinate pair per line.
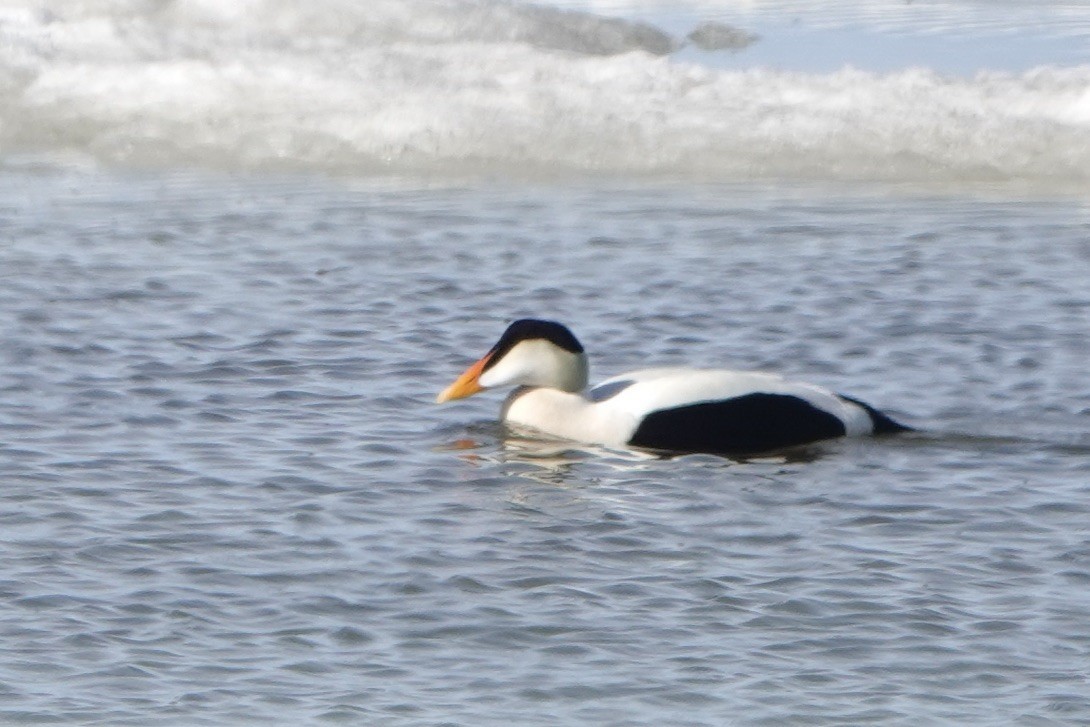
x,y
228,499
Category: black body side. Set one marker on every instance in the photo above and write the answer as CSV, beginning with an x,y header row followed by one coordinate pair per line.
x,y
747,424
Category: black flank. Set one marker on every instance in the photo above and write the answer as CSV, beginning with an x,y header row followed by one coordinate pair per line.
x,y
744,425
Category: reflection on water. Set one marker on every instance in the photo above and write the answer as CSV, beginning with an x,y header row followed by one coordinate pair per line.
x,y
522,452
496,443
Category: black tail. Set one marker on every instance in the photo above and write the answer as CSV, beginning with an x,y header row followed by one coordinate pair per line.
x,y
882,423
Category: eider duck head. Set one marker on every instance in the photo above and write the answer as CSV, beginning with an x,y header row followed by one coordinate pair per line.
x,y
530,352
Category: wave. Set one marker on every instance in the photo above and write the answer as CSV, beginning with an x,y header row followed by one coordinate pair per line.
x,y
460,86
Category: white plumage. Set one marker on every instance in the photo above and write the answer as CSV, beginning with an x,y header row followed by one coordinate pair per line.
x,y
673,409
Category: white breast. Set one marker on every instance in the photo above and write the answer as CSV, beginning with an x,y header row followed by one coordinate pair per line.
x,y
570,416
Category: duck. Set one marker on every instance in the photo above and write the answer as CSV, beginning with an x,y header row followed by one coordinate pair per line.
x,y
664,410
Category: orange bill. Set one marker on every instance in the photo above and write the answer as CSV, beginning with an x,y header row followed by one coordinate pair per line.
x,y
465,385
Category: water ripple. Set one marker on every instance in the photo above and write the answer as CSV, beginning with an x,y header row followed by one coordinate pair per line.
x,y
228,498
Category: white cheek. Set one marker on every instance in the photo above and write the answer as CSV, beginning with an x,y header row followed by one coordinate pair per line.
x,y
508,370
526,363
490,378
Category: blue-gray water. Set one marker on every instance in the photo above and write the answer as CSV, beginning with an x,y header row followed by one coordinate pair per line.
x,y
227,497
